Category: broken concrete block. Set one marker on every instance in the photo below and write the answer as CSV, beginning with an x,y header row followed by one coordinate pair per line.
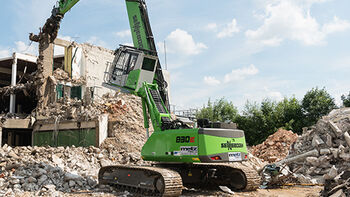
x,y
329,140
310,170
69,176
339,193
347,138
313,161
317,141
335,129
303,179
325,151
331,174
334,152
345,156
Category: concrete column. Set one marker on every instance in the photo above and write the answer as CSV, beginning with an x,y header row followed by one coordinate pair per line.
x,y
13,83
0,136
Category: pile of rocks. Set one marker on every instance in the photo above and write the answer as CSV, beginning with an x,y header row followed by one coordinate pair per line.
x,y
340,186
275,147
45,170
327,145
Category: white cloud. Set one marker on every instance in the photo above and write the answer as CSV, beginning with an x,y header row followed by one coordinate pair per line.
x,y
97,41
240,74
291,19
4,53
212,27
224,30
229,29
275,95
235,75
124,33
212,81
182,43
22,47
337,25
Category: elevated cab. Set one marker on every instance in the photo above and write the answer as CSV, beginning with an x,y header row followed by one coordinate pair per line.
x,y
130,69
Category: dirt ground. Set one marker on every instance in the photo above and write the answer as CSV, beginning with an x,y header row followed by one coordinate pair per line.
x,y
285,192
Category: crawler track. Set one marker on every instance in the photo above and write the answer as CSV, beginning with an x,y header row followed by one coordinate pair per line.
x,y
236,176
148,181
252,177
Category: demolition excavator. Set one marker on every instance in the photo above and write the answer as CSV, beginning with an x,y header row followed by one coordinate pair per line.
x,y
207,156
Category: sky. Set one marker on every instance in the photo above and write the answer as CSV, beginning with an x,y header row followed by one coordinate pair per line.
x,y
240,50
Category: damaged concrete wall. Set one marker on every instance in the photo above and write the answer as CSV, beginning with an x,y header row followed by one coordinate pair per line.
x,y
95,62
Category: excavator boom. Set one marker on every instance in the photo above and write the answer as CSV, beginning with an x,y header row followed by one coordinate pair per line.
x,y
64,6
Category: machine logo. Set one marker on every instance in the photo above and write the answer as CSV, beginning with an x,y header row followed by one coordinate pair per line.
x,y
230,145
137,27
185,139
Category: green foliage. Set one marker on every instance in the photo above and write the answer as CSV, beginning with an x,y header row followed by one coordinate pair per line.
x,y
346,100
291,114
261,120
221,110
317,103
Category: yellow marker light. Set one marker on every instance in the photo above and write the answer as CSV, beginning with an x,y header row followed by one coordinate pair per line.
x,y
195,159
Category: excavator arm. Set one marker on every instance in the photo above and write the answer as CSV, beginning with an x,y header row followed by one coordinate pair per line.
x,y
143,39
63,6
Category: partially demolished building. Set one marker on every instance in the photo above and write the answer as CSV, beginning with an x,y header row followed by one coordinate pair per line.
x,y
54,105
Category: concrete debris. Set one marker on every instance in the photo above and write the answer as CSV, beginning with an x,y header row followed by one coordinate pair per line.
x,y
330,138
338,186
60,75
42,171
5,91
254,162
126,129
124,109
275,147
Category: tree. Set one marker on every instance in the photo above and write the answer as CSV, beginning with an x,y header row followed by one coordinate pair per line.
x,y
346,100
222,111
252,122
290,114
317,103
260,121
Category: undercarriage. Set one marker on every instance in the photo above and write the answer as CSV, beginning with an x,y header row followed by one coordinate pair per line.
x,y
168,179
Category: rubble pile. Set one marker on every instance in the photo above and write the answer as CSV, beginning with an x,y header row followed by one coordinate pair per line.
x,y
69,109
254,162
326,146
51,171
340,186
275,147
126,121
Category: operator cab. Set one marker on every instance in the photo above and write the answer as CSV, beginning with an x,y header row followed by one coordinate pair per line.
x,y
131,67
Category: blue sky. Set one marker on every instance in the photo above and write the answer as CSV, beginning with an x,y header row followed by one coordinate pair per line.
x,y
241,50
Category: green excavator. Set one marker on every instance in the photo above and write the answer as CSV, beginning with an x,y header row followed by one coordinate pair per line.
x,y
207,156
